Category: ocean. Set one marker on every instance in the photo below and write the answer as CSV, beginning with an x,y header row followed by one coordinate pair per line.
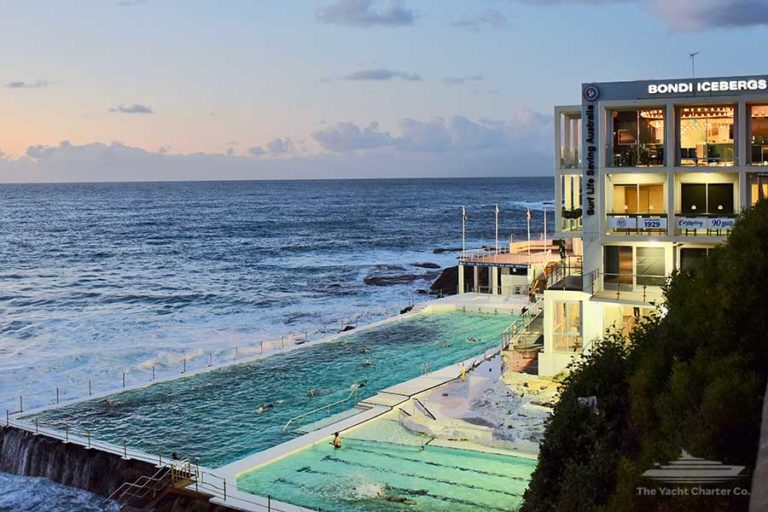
x,y
101,280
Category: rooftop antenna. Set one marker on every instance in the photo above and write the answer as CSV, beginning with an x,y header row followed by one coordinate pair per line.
x,y
692,56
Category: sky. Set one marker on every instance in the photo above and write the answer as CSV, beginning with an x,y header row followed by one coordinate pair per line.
x,y
123,90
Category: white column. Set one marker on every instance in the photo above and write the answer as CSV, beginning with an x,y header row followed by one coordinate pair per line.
x,y
460,287
476,278
742,137
495,280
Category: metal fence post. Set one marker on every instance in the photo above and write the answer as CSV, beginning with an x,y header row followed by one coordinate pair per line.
x,y
123,380
88,435
153,373
90,388
184,368
57,395
37,426
21,403
66,434
225,489
210,359
269,503
125,449
7,418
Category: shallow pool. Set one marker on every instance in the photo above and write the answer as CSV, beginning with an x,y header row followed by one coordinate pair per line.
x,y
383,467
214,415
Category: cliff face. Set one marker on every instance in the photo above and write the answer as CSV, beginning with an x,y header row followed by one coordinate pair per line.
x,y
447,283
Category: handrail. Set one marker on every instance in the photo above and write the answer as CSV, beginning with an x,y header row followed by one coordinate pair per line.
x,y
427,411
628,283
299,417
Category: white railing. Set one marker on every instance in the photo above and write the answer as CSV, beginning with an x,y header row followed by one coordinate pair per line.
x,y
325,408
519,327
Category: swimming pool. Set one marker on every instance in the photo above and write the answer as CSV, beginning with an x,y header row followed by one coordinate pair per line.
x,y
383,467
214,416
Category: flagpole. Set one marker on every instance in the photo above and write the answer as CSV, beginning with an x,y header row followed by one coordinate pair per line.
x,y
497,229
528,217
463,230
545,232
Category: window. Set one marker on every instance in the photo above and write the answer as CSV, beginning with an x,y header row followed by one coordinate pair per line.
x,y
638,137
631,199
624,318
650,266
758,185
570,209
706,135
567,327
690,257
759,153
618,267
706,199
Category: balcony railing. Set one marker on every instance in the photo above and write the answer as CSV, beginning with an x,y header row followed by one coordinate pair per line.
x,y
708,155
637,155
637,223
631,287
704,224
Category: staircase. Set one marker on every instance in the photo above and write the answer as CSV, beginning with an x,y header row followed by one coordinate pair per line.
x,y
146,491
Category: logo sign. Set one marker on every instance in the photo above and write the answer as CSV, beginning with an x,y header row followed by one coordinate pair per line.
x,y
591,93
691,222
708,86
622,222
721,223
652,223
692,470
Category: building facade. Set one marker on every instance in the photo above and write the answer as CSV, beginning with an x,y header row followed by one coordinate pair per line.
x,y
650,175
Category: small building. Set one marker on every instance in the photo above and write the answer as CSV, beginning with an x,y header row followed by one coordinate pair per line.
x,y
649,176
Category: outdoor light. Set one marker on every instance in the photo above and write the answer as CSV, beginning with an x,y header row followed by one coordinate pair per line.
x,y
693,207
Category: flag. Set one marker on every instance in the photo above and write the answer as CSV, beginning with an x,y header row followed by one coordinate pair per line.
x,y
528,215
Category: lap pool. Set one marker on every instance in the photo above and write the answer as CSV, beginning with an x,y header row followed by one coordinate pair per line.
x,y
214,416
383,467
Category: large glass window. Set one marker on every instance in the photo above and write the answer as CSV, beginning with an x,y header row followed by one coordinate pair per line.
x,y
618,267
634,198
706,199
690,257
650,266
570,209
624,318
567,327
706,135
638,137
758,187
759,153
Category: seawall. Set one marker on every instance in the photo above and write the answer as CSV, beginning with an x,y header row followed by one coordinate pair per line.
x,y
24,453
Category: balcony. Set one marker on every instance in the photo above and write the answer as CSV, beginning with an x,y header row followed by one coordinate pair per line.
x,y
637,155
704,224
637,223
628,287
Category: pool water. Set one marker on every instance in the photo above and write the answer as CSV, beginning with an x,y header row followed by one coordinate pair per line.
x,y
215,416
383,467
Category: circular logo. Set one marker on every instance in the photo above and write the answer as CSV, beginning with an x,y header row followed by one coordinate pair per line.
x,y
591,93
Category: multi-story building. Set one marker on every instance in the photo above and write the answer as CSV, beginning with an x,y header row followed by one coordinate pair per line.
x,y
650,176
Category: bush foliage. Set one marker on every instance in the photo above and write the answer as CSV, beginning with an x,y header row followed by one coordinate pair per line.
x,y
691,377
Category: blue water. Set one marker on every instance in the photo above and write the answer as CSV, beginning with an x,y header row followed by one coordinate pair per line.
x,y
166,418
98,279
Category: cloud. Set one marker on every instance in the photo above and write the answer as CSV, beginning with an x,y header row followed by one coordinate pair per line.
x,y
136,108
366,13
461,80
276,147
37,84
491,18
381,74
690,15
526,131
350,137
449,147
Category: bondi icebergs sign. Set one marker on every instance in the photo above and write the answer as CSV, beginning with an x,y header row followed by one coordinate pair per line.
x,y
723,223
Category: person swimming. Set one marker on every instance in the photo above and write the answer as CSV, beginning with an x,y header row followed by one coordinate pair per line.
x,y
365,350
336,441
359,385
264,408
110,404
312,393
367,363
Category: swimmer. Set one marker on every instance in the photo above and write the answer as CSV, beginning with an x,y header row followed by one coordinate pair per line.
x,y
336,441
365,350
359,385
264,408
312,393
367,363
109,404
